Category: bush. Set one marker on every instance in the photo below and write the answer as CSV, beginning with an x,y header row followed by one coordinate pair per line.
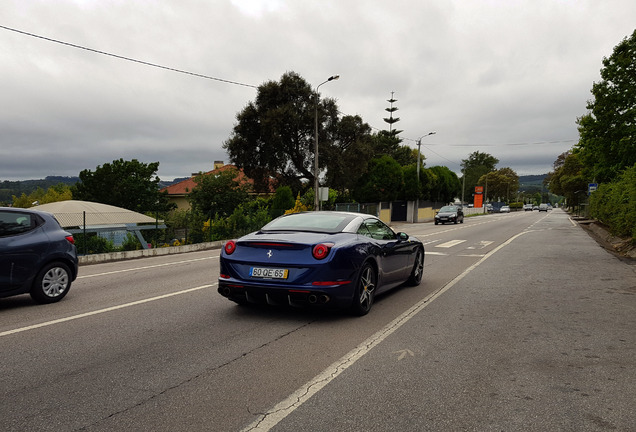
x,y
242,221
282,201
91,243
130,243
614,204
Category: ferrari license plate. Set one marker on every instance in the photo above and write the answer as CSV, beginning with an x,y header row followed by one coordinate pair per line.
x,y
269,273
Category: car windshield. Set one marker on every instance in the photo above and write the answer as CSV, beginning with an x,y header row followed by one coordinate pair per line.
x,y
314,221
448,209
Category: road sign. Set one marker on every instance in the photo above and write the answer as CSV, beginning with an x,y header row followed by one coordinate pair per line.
x,y
592,187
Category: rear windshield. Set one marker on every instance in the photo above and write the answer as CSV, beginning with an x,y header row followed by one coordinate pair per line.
x,y
313,222
12,223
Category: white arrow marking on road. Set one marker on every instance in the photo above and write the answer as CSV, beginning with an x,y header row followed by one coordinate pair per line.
x,y
482,244
403,353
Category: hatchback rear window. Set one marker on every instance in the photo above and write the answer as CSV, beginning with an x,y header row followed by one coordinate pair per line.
x,y
12,223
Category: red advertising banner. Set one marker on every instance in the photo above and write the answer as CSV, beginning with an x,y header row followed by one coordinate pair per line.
x,y
479,196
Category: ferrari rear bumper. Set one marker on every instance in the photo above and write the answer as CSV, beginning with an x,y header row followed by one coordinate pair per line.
x,y
284,296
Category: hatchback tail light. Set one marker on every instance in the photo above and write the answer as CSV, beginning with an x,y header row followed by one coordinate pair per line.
x,y
70,239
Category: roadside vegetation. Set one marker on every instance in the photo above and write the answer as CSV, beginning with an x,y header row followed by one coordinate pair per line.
x,y
605,154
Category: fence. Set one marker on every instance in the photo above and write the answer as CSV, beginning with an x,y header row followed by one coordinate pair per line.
x,y
369,208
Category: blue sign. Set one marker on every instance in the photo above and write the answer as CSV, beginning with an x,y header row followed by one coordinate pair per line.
x,y
592,187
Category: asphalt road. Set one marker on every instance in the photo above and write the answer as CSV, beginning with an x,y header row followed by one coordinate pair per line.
x,y
522,322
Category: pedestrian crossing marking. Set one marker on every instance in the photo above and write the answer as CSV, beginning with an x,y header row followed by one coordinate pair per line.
x,y
450,244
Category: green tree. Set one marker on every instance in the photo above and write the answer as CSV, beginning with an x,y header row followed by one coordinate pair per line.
x,y
59,192
218,194
275,135
349,154
446,186
568,178
385,143
477,165
283,200
132,185
382,182
607,143
390,120
500,184
414,189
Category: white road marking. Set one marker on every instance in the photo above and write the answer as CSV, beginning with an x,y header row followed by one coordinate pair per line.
x,y
450,244
275,415
144,267
430,242
482,244
101,311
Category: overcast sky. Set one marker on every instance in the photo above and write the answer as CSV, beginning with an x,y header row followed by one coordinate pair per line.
x,y
505,77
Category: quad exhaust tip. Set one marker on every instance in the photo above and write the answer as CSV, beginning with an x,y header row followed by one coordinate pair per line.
x,y
320,299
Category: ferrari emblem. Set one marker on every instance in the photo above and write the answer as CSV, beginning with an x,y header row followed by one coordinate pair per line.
x,y
269,253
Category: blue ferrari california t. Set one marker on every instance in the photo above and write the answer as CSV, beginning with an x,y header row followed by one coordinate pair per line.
x,y
323,259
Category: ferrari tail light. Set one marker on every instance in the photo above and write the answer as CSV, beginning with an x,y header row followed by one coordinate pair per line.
x,y
322,250
230,247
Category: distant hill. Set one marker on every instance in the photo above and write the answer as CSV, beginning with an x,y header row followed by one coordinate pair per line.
x,y
163,184
531,183
17,188
10,188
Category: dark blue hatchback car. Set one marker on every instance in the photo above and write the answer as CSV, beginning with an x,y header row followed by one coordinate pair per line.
x,y
36,255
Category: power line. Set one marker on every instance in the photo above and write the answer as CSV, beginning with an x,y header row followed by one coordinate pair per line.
x,y
498,145
128,58
253,86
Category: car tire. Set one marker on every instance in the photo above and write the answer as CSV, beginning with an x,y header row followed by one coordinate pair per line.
x,y
436,222
418,269
365,290
52,283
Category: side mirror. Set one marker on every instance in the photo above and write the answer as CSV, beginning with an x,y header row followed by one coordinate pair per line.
x,y
402,236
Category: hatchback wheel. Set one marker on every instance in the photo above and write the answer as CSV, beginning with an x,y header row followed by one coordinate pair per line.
x,y
52,283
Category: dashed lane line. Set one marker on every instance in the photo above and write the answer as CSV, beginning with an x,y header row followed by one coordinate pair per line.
x,y
101,311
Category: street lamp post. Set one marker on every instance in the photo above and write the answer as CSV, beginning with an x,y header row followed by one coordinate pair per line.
x,y
316,169
463,184
417,201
